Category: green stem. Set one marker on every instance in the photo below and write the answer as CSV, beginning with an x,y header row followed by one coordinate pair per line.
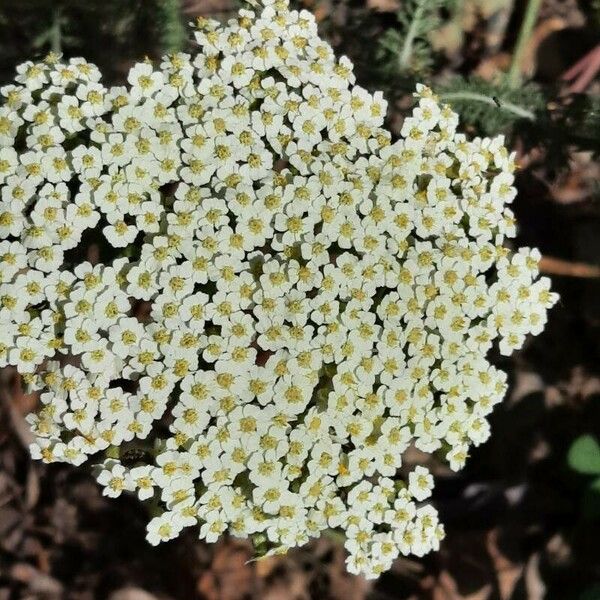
x,y
172,30
411,34
529,20
474,97
55,32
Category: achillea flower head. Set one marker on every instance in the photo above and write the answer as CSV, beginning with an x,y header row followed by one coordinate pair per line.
x,y
284,299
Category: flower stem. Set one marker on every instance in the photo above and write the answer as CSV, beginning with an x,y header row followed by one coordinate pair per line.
x,y
172,30
529,19
55,32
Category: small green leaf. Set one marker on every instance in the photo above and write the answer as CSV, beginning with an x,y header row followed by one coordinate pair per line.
x,y
584,455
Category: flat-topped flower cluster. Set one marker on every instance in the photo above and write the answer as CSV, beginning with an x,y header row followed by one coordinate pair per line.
x,y
232,288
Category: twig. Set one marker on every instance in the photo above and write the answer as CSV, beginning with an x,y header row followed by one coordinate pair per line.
x,y
557,266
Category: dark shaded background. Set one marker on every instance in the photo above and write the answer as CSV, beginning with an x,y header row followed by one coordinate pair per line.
x,y
521,523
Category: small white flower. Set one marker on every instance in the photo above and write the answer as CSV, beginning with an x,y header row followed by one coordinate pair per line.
x,y
293,296
114,478
420,483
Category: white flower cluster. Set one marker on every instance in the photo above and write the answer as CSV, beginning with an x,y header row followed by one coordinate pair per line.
x,y
277,301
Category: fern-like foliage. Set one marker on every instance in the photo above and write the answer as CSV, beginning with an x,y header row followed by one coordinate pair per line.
x,y
551,122
493,107
406,49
